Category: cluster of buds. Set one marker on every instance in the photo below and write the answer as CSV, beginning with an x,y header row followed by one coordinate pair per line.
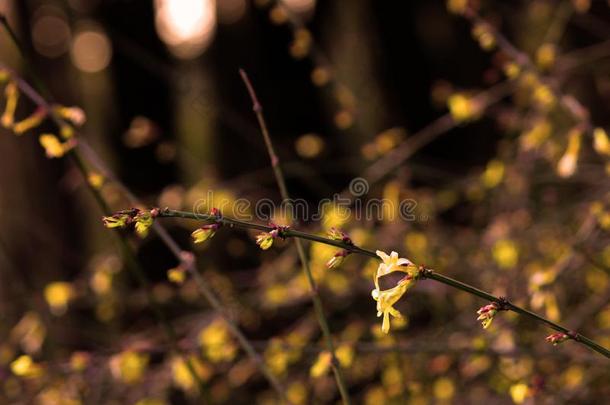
x,y
208,231
557,338
265,239
487,314
141,219
53,145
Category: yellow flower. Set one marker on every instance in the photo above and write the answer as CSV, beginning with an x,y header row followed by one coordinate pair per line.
x,y
53,147
73,114
265,240
30,122
129,366
57,295
391,264
601,144
24,366
567,164
176,275
463,108
96,180
387,298
12,96
321,365
119,220
144,220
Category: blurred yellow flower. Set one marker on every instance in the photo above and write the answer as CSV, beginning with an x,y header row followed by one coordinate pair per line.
x,y
129,366
463,108
12,96
505,253
216,342
176,275
53,146
24,366
58,294
321,365
567,164
601,144
518,392
493,174
182,376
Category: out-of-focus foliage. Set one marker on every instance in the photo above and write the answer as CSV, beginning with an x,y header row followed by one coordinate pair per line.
x,y
497,143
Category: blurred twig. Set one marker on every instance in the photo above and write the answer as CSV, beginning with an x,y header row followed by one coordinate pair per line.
x,y
315,296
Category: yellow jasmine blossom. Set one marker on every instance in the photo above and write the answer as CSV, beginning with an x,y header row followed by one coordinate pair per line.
x,y
493,174
24,366
567,164
30,122
386,300
144,220
392,263
182,375
176,275
129,366
58,295
601,144
73,114
53,147
96,180
265,239
463,108
12,96
119,220
321,365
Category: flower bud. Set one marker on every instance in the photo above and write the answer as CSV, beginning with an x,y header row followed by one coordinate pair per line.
x,y
265,240
204,233
557,338
487,314
337,259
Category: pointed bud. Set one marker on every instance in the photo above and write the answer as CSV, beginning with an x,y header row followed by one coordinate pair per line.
x,y
487,314
337,259
204,233
557,338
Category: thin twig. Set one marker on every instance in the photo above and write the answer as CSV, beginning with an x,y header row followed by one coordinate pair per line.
x,y
315,296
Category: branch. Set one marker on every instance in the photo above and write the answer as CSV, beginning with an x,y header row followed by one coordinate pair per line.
x,y
315,296
425,273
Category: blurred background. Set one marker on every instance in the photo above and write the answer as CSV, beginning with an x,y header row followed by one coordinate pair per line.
x,y
509,177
